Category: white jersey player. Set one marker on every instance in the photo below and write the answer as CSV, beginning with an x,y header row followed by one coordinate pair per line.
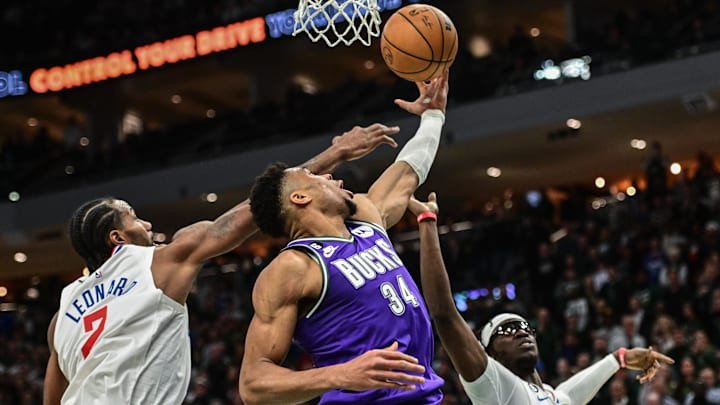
x,y
117,333
121,333
500,369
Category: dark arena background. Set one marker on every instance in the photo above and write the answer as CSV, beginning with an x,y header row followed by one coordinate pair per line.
x,y
577,176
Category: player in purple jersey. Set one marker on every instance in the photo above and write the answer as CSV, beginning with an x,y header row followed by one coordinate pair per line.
x,y
339,289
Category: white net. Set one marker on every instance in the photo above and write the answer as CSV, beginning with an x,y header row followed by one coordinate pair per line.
x,y
338,21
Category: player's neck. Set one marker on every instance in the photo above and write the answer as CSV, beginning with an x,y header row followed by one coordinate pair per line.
x,y
527,373
534,377
316,224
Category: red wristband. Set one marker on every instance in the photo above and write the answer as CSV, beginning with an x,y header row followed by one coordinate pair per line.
x,y
621,356
427,215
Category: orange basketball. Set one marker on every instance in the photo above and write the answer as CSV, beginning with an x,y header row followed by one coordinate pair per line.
x,y
419,42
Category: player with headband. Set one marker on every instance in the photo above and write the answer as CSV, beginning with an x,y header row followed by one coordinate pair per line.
x,y
500,369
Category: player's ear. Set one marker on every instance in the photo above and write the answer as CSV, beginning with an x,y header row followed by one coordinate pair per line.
x,y
300,197
116,237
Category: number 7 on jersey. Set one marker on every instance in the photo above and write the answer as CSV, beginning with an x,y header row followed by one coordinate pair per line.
x,y
89,322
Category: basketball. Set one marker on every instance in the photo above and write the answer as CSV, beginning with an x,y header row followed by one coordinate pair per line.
x,y
419,42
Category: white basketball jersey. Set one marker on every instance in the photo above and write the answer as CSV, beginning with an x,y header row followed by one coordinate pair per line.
x,y
499,386
120,339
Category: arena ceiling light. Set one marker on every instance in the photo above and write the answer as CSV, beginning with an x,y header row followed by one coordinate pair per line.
x,y
573,123
210,113
14,196
3,291
675,168
575,68
32,122
599,182
494,172
479,46
534,32
638,144
210,197
176,99
631,191
20,257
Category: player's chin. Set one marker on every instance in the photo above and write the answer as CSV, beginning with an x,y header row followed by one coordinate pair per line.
x,y
534,355
528,351
150,240
531,357
534,349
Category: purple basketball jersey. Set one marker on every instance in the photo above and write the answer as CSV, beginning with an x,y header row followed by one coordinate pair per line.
x,y
368,301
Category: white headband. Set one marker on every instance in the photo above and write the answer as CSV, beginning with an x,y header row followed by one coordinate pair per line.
x,y
491,327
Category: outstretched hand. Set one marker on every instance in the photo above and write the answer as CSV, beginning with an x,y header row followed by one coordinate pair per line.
x,y
418,207
433,96
360,141
381,369
646,360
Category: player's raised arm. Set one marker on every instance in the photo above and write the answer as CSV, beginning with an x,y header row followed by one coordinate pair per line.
x,y
392,190
466,353
352,145
582,387
198,242
279,291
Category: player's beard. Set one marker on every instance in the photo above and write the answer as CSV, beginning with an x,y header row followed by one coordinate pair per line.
x,y
145,242
141,238
351,206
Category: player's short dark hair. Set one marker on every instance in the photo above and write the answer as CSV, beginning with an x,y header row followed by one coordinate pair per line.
x,y
265,201
89,228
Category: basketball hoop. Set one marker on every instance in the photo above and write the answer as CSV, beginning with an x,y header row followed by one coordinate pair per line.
x,y
320,19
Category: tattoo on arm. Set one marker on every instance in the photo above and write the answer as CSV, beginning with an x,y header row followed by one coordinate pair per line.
x,y
206,239
224,225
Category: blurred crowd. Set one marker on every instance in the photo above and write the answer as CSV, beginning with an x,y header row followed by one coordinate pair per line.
x,y
637,271
37,162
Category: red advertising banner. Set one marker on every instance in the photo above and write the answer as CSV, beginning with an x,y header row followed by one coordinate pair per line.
x,y
145,57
